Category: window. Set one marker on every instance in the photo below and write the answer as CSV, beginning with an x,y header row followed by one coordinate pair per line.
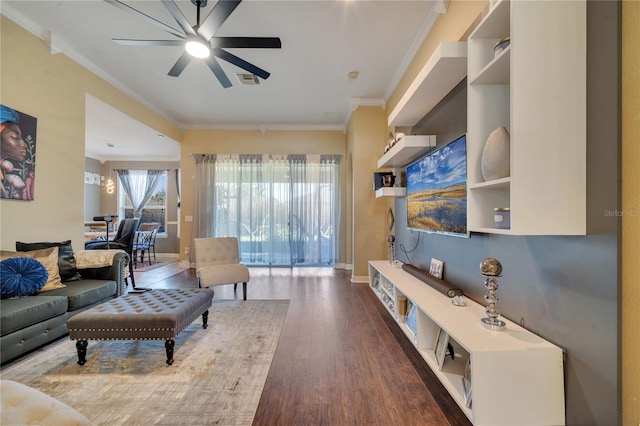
x,y
156,208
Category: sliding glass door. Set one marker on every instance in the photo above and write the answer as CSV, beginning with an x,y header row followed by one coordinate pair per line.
x,y
283,209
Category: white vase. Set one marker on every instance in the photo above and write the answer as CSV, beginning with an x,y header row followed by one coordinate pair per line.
x,y
496,156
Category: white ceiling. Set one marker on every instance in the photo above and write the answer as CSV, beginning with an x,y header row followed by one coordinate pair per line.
x,y
309,88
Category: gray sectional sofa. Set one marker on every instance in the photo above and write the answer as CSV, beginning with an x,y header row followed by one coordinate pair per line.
x,y
29,322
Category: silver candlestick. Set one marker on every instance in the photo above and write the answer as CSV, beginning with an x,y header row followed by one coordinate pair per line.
x,y
491,269
391,241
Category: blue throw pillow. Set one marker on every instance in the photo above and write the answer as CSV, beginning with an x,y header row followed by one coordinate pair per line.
x,y
21,276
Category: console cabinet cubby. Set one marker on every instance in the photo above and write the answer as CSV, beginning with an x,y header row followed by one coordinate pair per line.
x,y
516,376
536,88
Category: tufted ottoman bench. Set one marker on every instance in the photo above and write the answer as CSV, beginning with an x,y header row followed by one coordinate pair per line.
x,y
153,315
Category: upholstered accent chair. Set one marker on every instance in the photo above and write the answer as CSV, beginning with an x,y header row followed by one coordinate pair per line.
x,y
218,263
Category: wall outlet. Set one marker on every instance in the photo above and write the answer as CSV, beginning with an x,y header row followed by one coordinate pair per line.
x,y
188,218
186,250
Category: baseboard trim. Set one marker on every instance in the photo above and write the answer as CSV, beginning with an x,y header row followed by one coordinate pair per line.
x,y
344,266
168,255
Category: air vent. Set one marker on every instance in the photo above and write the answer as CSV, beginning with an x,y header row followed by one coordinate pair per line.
x,y
248,79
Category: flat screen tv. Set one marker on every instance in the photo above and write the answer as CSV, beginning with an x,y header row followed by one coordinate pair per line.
x,y
437,190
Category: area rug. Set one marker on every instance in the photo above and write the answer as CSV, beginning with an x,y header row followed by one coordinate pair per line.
x,y
216,379
144,266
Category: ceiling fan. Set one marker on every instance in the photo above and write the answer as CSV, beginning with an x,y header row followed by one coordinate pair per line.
x,y
200,41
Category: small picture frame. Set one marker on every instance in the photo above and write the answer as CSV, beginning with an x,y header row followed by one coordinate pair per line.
x,y
375,282
466,383
440,348
412,317
437,267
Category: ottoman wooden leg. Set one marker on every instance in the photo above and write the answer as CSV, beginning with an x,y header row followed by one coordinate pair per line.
x,y
205,318
81,345
169,344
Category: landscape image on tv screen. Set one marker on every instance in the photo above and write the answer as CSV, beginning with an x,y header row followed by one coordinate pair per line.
x,y
437,190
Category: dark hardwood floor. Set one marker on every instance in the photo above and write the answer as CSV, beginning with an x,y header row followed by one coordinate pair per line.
x,y
341,359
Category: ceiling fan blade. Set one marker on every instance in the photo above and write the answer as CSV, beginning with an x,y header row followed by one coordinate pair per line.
x,y
233,59
247,42
180,64
215,67
128,42
147,18
178,16
216,18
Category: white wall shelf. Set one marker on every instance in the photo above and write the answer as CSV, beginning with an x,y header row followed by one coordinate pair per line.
x,y
394,191
536,88
446,67
406,150
517,377
497,71
502,183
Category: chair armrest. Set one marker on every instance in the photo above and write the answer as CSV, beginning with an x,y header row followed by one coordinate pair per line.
x,y
110,265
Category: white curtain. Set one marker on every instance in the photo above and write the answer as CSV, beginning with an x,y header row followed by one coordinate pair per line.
x,y
139,186
284,209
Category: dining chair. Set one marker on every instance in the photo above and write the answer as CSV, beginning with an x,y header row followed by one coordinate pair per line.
x,y
144,241
123,240
152,242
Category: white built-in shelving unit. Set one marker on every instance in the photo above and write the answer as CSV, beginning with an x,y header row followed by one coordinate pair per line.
x,y
516,376
536,88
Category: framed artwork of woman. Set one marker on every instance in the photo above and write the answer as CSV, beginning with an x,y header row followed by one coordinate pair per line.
x,y
18,154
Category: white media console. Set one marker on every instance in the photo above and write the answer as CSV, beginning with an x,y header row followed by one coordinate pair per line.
x,y
514,377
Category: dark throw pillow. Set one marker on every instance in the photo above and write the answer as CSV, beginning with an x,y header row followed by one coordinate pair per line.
x,y
21,276
66,260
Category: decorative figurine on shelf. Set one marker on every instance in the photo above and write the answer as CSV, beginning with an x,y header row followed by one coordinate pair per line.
x,y
388,180
391,242
393,139
491,269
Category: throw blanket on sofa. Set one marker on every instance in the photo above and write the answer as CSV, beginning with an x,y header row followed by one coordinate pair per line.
x,y
95,258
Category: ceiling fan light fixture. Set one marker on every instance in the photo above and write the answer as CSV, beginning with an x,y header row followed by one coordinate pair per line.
x,y
199,40
197,48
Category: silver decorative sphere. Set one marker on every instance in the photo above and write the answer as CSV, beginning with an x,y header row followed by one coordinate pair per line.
x,y
390,238
490,267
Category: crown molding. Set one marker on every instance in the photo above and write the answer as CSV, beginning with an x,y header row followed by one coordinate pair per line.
x,y
263,128
354,103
